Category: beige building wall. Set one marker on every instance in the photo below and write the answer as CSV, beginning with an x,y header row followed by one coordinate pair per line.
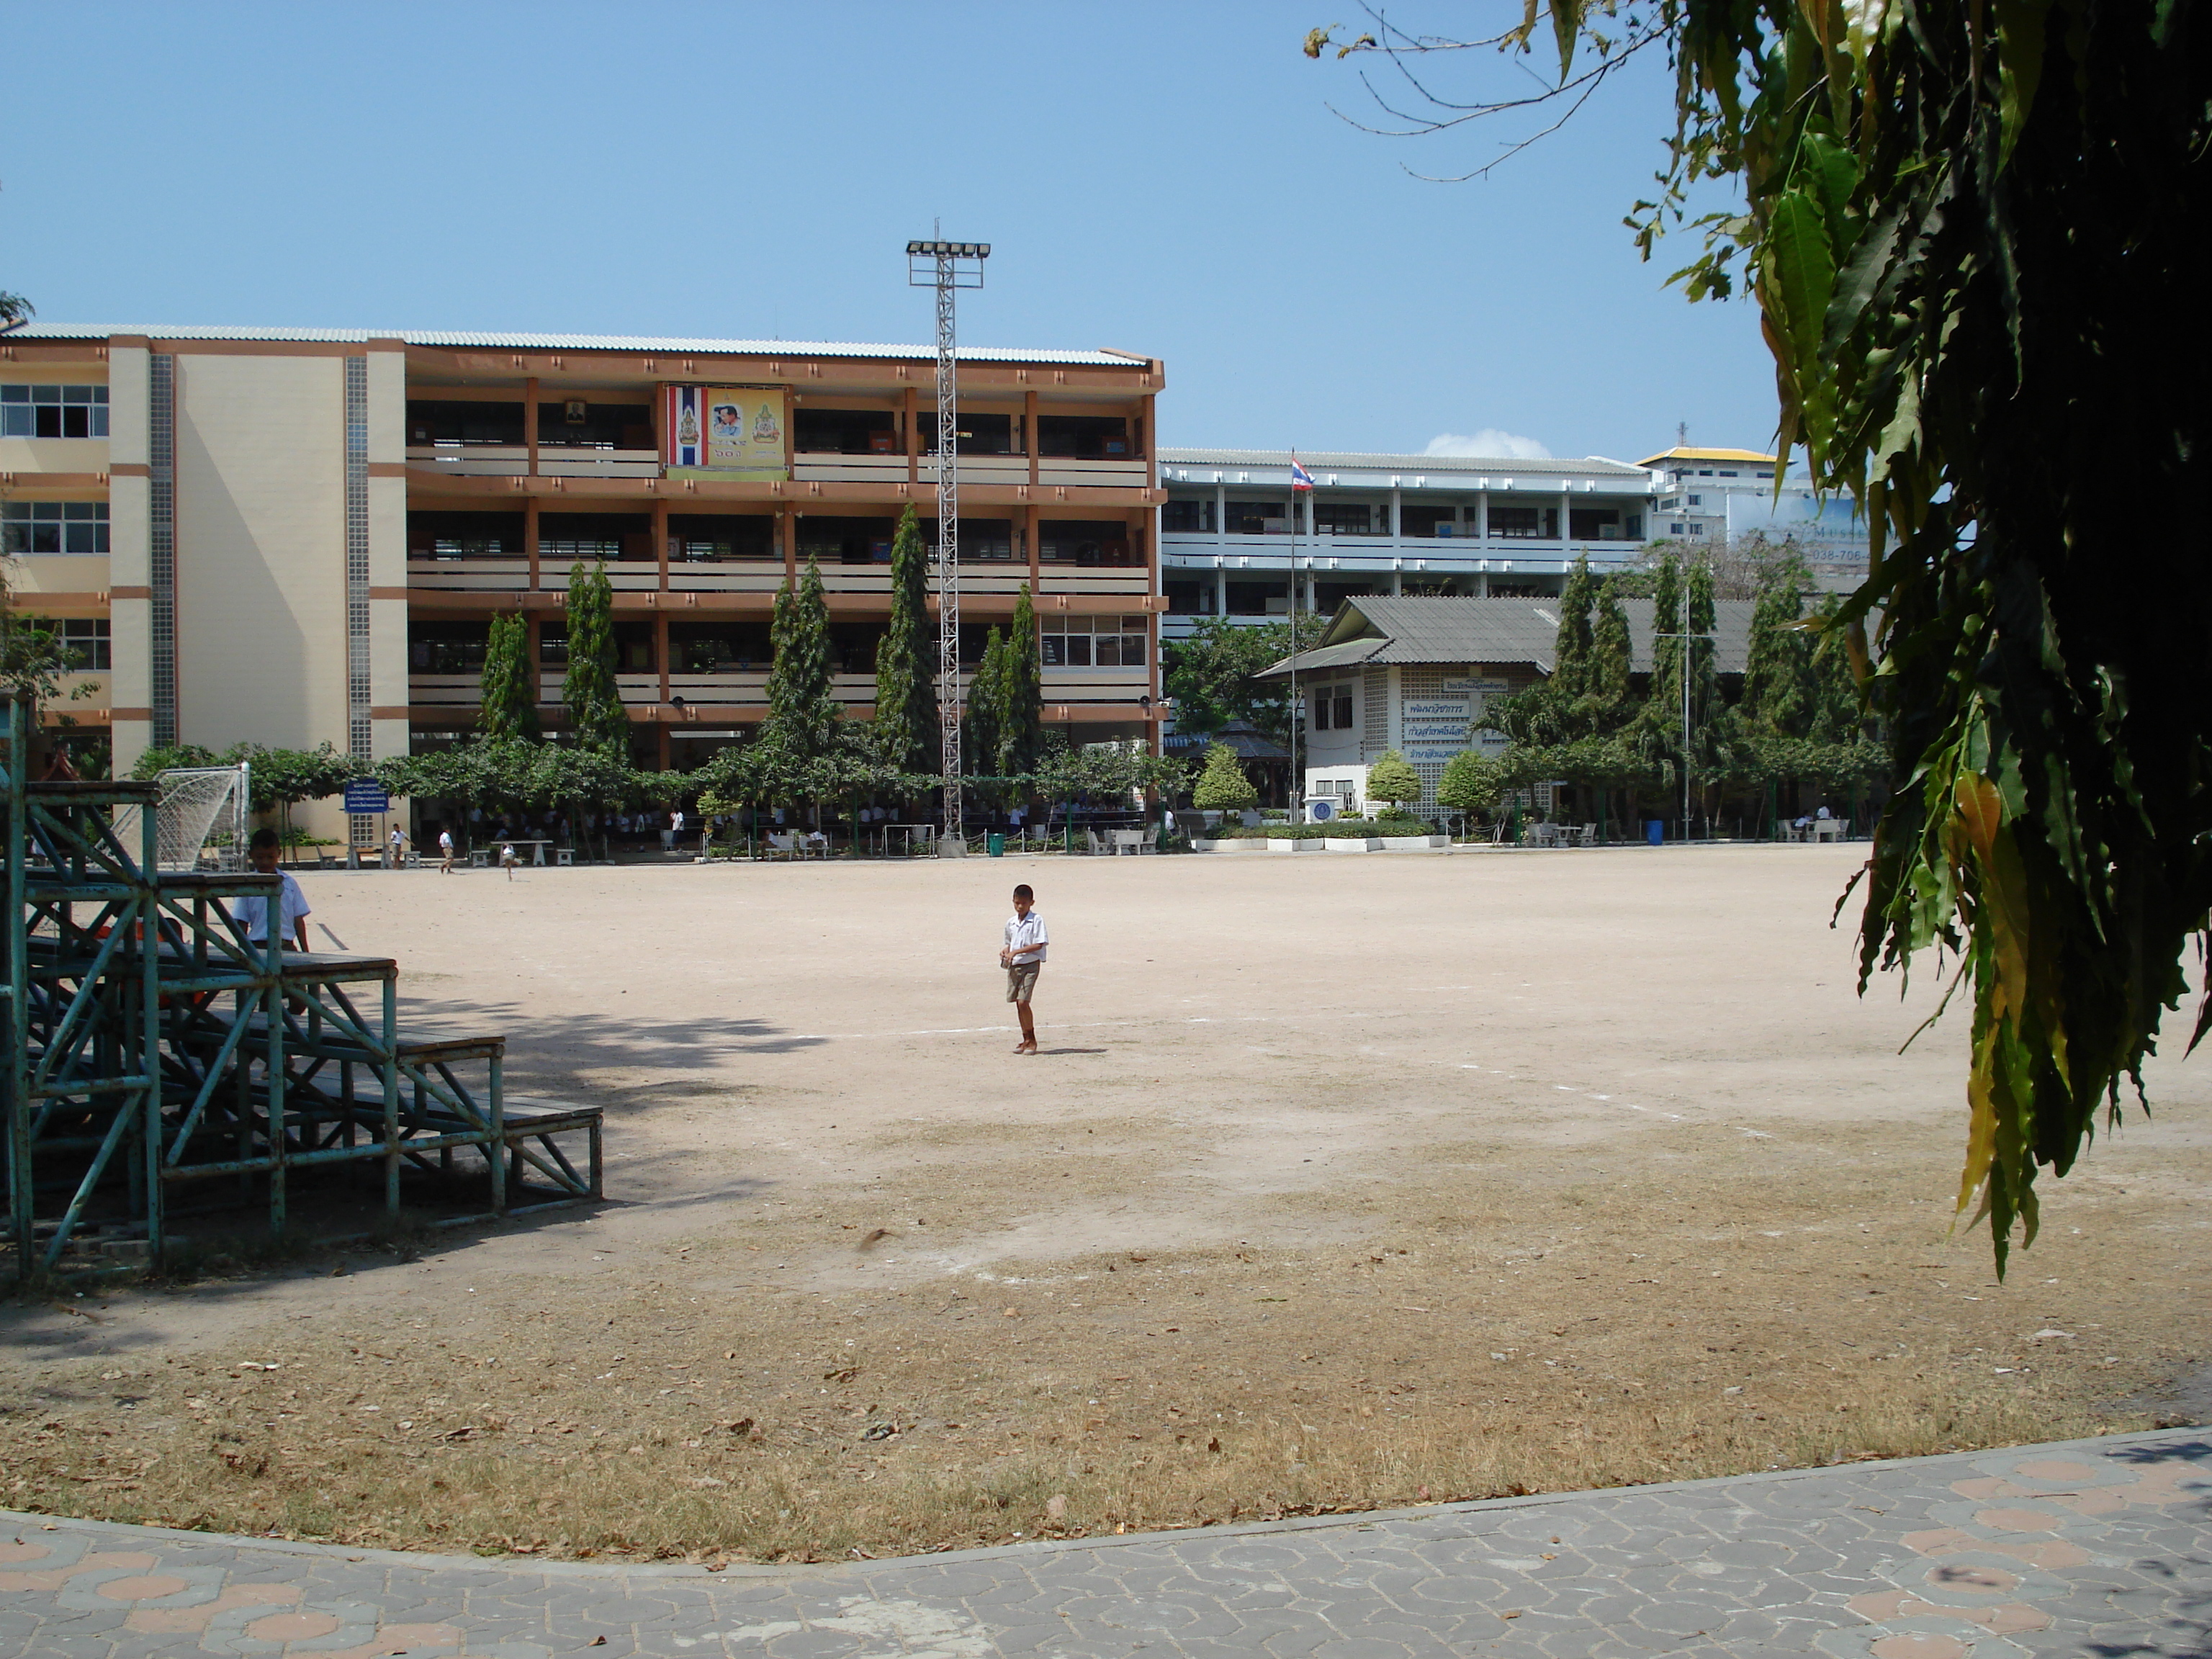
x,y
387,550
130,561
261,640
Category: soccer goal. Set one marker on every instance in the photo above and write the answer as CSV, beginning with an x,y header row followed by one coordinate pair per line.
x,y
201,817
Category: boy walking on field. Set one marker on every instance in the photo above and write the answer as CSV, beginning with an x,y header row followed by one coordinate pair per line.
x,y
1022,955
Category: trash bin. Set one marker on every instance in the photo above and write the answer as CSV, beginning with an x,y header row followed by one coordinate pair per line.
x,y
1655,831
995,845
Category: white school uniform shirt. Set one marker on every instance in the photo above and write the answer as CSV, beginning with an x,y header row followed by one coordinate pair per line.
x,y
252,911
1026,937
446,840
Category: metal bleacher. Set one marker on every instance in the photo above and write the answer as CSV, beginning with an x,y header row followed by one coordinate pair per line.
x,y
136,1079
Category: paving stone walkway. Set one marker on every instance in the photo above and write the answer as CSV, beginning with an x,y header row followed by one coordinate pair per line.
x,y
2093,1547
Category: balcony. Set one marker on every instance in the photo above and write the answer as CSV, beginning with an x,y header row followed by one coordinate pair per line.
x,y
1370,555
512,461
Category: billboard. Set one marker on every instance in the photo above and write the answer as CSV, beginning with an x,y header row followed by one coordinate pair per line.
x,y
725,431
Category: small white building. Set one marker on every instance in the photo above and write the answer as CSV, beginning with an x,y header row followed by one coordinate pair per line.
x,y
1414,675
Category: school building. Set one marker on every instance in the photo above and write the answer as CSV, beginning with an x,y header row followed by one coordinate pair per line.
x,y
1238,541
289,536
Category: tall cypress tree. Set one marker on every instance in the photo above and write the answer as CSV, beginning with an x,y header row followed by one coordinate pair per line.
x,y
1022,692
1607,684
983,732
1665,705
1571,652
906,658
1777,671
594,699
1699,612
802,713
508,693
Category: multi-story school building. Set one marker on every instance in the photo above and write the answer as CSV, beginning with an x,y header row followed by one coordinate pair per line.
x,y
287,536
1238,541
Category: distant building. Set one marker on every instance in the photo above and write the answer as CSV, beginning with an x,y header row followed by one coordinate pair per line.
x,y
1235,540
1414,674
1718,495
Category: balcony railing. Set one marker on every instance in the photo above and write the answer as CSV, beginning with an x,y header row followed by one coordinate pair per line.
x,y
512,461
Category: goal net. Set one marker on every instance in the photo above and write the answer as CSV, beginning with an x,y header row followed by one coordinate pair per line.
x,y
201,817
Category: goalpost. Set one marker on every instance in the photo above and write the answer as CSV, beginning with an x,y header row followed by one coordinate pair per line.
x,y
201,808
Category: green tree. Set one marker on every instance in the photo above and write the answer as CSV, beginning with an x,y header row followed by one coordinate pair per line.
x,y
509,694
589,690
1571,652
1223,787
982,737
906,658
170,757
1471,784
1972,235
1392,778
1610,687
1213,676
803,712
1023,690
279,779
1778,677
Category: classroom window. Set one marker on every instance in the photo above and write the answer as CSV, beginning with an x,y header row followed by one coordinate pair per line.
x,y
1094,642
53,411
89,637
1188,517
53,526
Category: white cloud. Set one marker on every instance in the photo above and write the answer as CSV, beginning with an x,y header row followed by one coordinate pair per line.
x,y
1487,444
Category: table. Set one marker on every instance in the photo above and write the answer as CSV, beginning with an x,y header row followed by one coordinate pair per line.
x,y
537,848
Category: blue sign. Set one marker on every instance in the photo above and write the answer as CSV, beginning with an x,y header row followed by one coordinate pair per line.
x,y
1320,812
366,795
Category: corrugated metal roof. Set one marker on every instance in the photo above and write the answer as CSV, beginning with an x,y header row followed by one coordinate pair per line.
x,y
1589,467
470,340
1443,629
1686,452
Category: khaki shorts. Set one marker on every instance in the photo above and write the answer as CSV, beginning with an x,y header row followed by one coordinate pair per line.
x,y
1021,980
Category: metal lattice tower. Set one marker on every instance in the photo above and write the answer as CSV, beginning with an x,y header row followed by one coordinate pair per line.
x,y
948,266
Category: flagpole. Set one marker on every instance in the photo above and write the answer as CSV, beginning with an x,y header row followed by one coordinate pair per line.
x,y
1291,784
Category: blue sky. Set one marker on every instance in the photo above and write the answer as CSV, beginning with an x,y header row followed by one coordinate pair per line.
x,y
1165,178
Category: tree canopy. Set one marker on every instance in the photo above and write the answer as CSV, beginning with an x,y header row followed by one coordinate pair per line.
x,y
507,698
1213,676
589,690
1972,235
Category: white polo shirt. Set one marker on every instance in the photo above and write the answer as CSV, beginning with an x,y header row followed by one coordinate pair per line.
x,y
252,911
1026,937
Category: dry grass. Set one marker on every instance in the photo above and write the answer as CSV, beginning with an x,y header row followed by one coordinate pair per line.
x,y
1273,1234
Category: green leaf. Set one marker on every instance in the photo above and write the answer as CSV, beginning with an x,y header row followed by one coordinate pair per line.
x,y
2020,25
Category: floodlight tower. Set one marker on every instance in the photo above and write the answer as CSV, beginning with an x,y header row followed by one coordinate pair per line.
x,y
947,267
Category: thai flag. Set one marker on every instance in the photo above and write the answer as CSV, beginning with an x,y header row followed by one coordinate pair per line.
x,y
1300,478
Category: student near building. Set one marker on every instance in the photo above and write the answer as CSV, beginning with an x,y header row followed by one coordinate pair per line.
x,y
1022,955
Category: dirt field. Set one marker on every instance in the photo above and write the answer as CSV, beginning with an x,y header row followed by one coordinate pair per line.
x,y
1342,1182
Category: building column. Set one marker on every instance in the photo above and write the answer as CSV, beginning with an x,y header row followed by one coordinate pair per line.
x,y
660,538
529,420
1566,502
1032,521
1397,581
914,442
1220,586
1397,520
1482,515
661,650
530,537
786,528
1029,431
1221,512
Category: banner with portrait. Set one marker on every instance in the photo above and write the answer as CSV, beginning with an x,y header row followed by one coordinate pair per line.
x,y
726,432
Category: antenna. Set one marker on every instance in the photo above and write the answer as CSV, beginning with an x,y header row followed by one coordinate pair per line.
x,y
946,267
